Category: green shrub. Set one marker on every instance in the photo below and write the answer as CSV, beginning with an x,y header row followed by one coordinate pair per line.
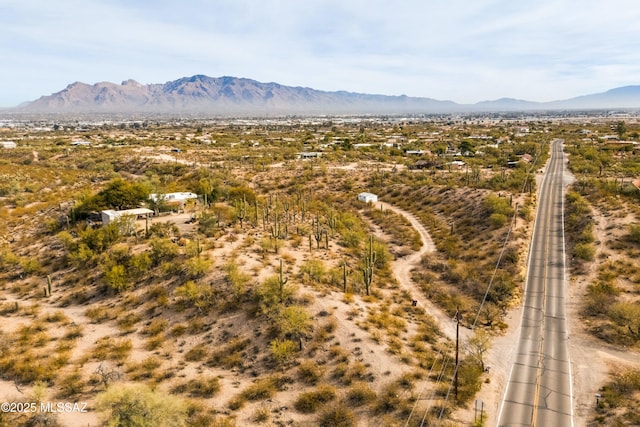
x,y
205,387
108,348
586,236
360,394
164,229
271,293
81,256
311,401
352,238
71,385
600,297
497,220
138,405
30,265
627,314
196,267
116,278
196,353
262,389
283,351
337,416
230,355
313,271
145,369
198,295
139,264
100,239
634,233
496,204
309,372
162,249
584,251
155,327
8,260
236,279
469,375
618,405
388,400
294,322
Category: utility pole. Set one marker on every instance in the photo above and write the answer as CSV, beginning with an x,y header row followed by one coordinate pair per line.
x,y
455,374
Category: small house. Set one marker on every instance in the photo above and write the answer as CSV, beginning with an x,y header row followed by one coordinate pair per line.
x,y
111,215
309,154
80,142
8,144
169,198
367,197
173,201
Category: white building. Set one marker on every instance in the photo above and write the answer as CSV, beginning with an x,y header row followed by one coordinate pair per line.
x,y
367,197
309,155
111,215
179,197
8,144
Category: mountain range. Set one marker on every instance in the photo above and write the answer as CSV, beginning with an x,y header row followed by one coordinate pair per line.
x,y
240,96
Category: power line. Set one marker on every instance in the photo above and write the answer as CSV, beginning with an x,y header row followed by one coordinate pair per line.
x,y
424,385
433,392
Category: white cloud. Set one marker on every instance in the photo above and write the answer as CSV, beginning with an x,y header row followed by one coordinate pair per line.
x,y
459,50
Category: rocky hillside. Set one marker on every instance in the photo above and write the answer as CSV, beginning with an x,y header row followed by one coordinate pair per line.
x,y
223,95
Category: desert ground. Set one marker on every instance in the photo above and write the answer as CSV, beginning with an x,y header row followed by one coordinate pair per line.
x,y
251,306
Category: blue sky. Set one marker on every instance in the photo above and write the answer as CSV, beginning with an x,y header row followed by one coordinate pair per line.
x,y
460,50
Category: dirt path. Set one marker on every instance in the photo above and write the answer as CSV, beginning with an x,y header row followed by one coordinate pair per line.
x,y
402,268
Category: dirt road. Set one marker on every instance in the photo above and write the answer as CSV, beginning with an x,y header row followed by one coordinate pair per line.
x,y
402,268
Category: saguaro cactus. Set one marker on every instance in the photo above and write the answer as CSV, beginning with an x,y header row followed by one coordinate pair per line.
x,y
369,264
47,289
281,282
241,210
278,231
255,207
303,209
317,230
332,221
344,276
286,207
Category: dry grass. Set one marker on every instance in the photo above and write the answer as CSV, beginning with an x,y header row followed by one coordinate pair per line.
x,y
178,308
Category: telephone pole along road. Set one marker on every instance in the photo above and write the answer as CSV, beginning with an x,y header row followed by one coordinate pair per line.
x,y
539,390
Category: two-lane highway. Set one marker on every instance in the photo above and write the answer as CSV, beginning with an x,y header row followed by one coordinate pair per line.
x,y
539,389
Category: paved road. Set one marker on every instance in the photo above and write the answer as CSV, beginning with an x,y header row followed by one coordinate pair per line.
x,y
539,389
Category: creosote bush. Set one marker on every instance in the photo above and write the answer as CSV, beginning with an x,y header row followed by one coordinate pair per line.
x,y
138,405
337,416
360,394
309,372
311,401
204,387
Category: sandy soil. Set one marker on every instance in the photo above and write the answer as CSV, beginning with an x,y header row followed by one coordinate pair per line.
x,y
592,361
403,267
